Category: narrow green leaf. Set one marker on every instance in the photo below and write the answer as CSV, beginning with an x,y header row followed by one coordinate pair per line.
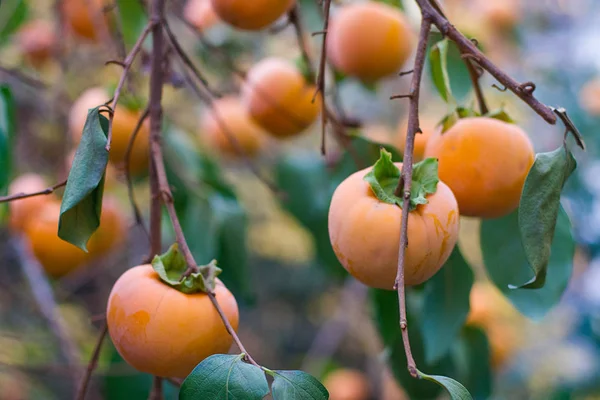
x,y
7,134
297,385
438,58
12,15
506,262
454,388
538,209
222,377
82,201
446,306
171,265
424,181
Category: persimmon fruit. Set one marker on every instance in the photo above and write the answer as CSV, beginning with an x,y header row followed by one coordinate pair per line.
x,y
251,15
22,211
347,384
200,14
369,40
365,233
84,17
162,331
36,40
279,98
228,127
485,162
428,126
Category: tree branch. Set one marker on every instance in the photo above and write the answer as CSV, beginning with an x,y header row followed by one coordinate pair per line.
x,y
321,74
46,191
85,381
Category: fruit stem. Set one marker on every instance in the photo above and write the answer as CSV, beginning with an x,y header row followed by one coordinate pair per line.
x,y
156,392
474,74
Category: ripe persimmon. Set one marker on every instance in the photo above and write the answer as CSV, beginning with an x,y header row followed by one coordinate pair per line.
x,y
428,126
36,40
24,210
227,126
162,331
111,231
347,384
124,123
56,256
85,17
251,15
365,233
485,162
369,40
279,98
200,14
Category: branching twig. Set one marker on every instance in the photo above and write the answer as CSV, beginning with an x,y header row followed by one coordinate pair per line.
x,y
46,191
85,381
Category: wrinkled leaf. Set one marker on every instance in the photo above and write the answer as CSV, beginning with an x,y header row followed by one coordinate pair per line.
x,y
454,388
538,209
424,181
82,201
297,385
506,262
224,377
12,15
446,306
438,59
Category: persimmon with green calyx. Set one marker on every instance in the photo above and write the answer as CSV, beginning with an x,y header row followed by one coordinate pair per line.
x,y
251,15
365,218
369,40
485,162
279,98
165,326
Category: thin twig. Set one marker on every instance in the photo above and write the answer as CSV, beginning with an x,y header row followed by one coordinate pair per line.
x,y
474,75
321,74
85,381
156,392
404,184
46,191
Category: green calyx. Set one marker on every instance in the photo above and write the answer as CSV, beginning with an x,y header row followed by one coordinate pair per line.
x,y
463,112
385,175
171,265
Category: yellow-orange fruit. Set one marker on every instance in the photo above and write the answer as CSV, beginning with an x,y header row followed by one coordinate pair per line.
x,y
161,331
428,126
24,210
589,97
56,256
227,126
369,40
201,14
365,233
485,162
500,14
279,99
84,17
37,40
346,384
124,123
112,229
251,15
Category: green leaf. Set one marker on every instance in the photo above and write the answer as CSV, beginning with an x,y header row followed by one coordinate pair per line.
x,y
454,388
538,209
171,265
506,262
7,134
12,15
446,306
501,115
472,353
438,58
133,19
424,181
297,385
394,3
82,201
224,377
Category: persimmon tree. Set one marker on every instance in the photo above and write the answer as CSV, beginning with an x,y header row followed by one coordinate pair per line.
x,y
477,163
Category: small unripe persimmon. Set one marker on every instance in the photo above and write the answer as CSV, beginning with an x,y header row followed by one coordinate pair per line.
x,y
162,331
279,98
347,384
200,14
428,126
485,162
84,17
36,40
227,126
369,40
24,210
251,15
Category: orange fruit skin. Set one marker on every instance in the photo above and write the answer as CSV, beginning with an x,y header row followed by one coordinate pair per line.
x,y
346,384
56,256
365,233
37,40
251,15
427,126
81,14
485,162
369,40
279,99
201,14
161,331
111,231
24,210
589,97
228,120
